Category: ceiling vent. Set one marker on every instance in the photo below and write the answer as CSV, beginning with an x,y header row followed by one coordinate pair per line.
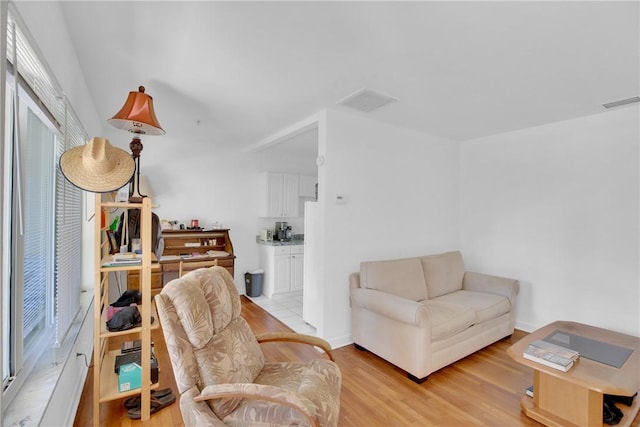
x,y
621,102
366,100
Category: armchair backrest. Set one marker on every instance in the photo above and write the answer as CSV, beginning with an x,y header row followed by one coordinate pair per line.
x,y
207,339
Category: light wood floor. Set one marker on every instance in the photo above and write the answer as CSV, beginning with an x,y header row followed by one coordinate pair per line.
x,y
483,389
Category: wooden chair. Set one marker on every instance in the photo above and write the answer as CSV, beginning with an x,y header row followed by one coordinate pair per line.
x,y
189,266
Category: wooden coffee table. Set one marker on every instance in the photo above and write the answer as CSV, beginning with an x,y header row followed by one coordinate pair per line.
x,y
574,398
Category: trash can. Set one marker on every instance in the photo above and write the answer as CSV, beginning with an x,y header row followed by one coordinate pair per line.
x,y
253,282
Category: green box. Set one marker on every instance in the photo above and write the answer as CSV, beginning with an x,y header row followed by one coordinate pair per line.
x,y
129,377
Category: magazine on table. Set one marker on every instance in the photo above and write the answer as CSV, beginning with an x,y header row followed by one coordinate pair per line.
x,y
551,355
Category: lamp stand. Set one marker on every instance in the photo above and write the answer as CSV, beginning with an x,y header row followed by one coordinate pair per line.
x,y
134,185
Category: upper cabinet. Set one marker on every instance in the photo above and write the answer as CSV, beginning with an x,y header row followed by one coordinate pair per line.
x,y
281,192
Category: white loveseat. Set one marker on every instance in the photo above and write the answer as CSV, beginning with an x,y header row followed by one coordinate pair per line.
x,y
424,313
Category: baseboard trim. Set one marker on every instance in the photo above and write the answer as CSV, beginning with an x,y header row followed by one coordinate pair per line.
x,y
340,341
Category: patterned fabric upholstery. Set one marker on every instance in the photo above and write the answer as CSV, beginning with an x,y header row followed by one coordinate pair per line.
x,y
212,346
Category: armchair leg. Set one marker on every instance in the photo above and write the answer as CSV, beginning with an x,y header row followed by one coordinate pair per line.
x,y
416,379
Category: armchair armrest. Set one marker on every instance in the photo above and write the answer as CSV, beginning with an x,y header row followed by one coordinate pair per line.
x,y
197,413
269,393
493,284
295,337
391,306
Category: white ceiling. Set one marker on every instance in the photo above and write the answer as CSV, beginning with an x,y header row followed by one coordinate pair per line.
x,y
236,72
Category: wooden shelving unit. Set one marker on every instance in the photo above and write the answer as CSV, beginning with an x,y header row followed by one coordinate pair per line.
x,y
105,381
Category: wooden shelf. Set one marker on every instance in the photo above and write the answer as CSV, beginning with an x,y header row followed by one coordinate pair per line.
x,y
108,334
105,381
549,419
124,205
109,380
126,267
180,247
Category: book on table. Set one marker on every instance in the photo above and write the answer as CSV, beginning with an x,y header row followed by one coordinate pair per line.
x,y
551,355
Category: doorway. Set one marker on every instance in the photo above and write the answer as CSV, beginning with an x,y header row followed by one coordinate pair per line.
x,y
295,153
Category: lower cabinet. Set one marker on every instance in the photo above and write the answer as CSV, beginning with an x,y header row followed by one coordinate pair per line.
x,y
283,268
297,263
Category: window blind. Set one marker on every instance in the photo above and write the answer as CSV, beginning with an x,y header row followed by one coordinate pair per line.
x,y
34,73
68,232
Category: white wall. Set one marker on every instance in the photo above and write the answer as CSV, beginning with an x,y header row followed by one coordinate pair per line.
x,y
556,207
401,190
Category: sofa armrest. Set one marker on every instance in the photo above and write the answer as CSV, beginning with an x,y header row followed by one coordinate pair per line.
x,y
493,284
391,306
354,281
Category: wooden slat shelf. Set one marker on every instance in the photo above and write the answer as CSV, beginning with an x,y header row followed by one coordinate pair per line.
x,y
124,205
131,267
108,334
629,413
105,381
109,380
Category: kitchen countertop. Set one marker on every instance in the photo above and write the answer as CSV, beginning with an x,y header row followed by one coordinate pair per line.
x,y
279,243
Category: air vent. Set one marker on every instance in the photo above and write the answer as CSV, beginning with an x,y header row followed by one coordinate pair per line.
x,y
366,100
621,102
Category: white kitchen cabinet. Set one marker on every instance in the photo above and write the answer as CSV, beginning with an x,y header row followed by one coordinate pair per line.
x,y
297,268
281,273
283,268
308,186
281,192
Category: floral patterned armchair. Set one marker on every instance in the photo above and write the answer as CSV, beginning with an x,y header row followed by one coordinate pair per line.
x,y
221,373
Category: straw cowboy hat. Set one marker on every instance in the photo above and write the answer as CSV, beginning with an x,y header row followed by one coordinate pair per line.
x,y
98,166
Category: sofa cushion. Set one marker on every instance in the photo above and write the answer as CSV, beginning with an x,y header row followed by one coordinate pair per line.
x,y
448,318
486,306
443,273
401,277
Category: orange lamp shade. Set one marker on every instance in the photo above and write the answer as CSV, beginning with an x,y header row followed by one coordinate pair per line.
x,y
137,115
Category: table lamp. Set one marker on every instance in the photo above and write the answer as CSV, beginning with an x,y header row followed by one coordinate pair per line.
x,y
137,116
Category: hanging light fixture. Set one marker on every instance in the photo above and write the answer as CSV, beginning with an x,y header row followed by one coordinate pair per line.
x,y
137,116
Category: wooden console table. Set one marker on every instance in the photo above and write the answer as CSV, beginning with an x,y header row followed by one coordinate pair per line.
x,y
575,398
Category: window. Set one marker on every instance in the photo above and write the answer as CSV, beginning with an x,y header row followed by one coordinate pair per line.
x,y
42,220
30,189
